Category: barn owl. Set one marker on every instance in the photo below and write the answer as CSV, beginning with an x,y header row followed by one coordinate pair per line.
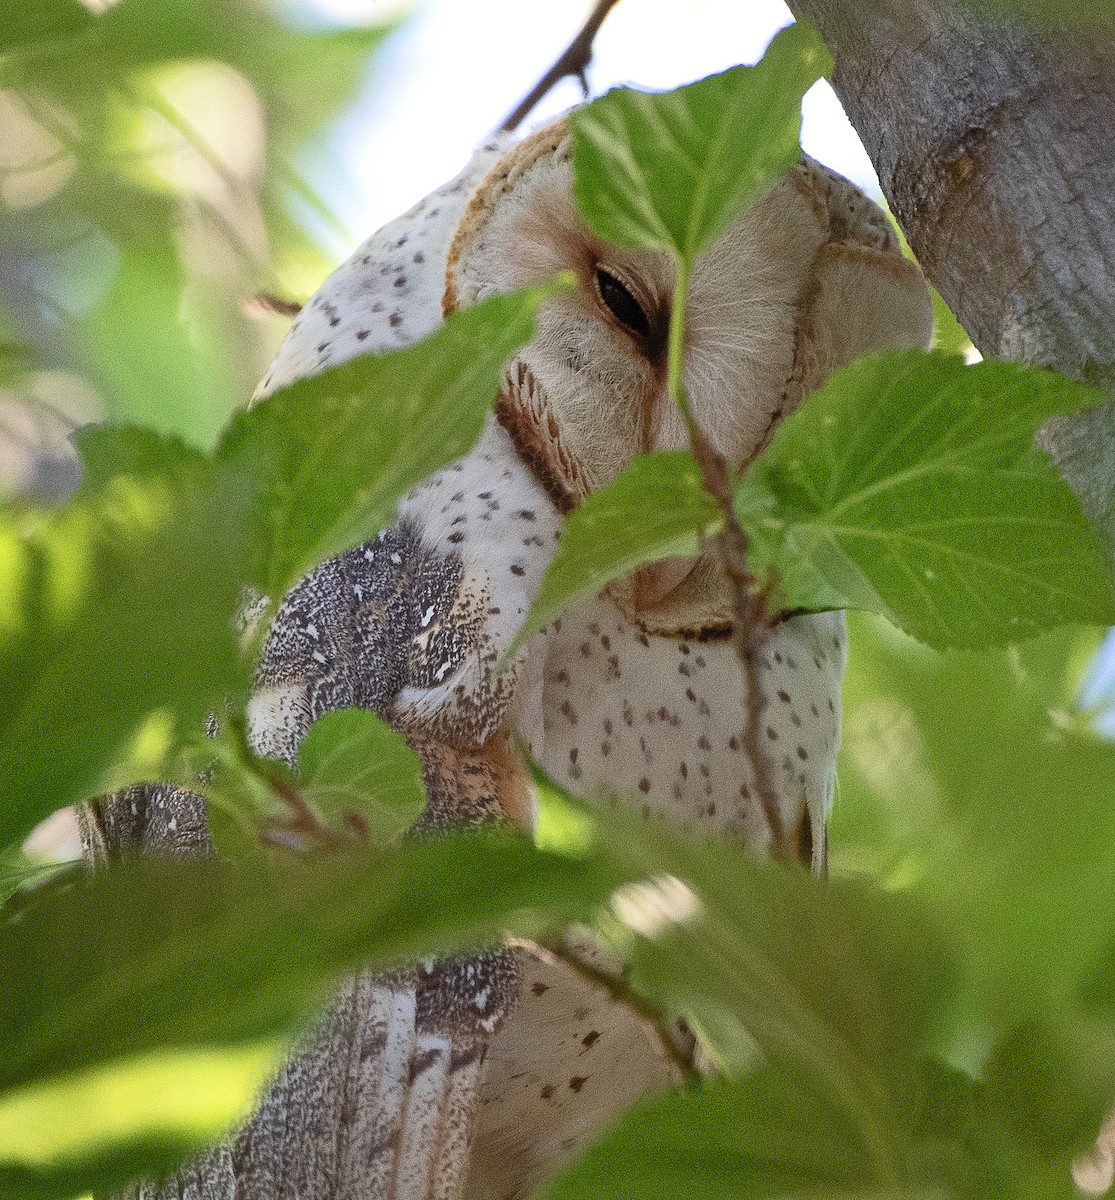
x,y
478,1077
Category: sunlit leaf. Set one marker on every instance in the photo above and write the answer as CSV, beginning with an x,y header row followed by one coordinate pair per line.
x,y
670,170
118,606
908,485
208,953
331,455
99,1128
949,335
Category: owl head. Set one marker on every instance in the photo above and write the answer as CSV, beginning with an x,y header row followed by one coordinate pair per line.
x,y
805,280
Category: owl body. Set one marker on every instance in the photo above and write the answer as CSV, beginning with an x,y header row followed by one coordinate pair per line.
x,y
491,1073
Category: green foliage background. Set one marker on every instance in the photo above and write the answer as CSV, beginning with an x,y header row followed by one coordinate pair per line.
x,y
937,1019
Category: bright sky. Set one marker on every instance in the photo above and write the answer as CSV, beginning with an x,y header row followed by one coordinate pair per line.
x,y
457,67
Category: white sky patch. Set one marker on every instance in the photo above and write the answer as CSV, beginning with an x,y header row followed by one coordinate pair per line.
x,y
457,67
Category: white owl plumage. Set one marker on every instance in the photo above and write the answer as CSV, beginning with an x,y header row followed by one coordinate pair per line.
x,y
479,1077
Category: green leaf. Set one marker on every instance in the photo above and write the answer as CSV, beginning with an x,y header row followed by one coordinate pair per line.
x,y
1050,1088
949,335
772,1134
908,486
654,510
329,457
30,26
104,1127
116,629
15,359
670,170
153,365
975,780
832,980
109,451
353,765
210,953
174,958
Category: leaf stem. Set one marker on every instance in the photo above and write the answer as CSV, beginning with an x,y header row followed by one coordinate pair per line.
x,y
750,623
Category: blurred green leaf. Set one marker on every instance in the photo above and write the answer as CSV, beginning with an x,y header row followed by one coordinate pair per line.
x,y
832,980
655,509
32,26
158,370
116,627
353,765
15,358
907,485
330,456
974,780
137,452
669,170
769,1135
1049,1089
103,1127
169,955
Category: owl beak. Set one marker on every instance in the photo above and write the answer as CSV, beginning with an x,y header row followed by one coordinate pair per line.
x,y
650,585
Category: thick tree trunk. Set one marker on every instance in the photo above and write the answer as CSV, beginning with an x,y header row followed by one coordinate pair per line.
x,y
995,146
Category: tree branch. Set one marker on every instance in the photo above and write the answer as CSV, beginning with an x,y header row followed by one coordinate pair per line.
x,y
572,62
994,141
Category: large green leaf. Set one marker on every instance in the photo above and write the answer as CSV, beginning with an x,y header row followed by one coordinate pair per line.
x,y
209,953
116,623
329,456
98,973
670,170
908,485
655,509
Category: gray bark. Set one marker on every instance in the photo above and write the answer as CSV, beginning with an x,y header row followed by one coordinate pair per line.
x,y
994,142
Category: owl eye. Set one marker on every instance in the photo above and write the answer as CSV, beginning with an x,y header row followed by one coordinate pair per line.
x,y
621,303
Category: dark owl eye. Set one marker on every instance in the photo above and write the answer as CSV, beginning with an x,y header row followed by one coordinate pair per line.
x,y
623,306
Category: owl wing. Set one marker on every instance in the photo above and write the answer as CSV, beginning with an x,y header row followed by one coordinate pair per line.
x,y
381,1100
380,1103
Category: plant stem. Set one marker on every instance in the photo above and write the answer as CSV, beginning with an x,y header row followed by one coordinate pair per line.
x,y
750,626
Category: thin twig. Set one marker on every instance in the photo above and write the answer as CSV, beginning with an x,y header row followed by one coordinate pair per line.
x,y
572,63
268,304
750,629
621,992
750,624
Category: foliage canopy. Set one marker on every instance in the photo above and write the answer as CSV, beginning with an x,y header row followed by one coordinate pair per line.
x,y
930,1021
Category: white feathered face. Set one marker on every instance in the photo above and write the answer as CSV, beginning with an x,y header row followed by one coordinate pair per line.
x,y
807,279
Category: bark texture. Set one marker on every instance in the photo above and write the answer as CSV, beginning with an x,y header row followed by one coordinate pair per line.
x,y
994,141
